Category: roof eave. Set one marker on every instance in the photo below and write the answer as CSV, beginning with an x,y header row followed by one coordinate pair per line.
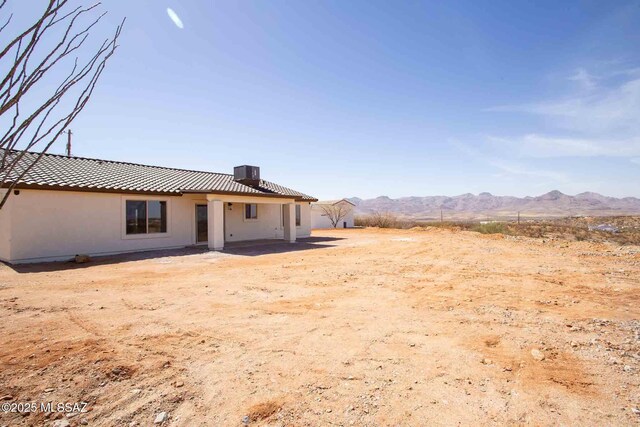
x,y
26,186
240,193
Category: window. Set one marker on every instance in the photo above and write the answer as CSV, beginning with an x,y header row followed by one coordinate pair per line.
x,y
156,216
146,216
136,217
250,211
298,215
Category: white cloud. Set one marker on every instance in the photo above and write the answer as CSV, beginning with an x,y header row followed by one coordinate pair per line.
x,y
534,145
518,169
586,80
175,18
509,167
636,160
602,121
608,110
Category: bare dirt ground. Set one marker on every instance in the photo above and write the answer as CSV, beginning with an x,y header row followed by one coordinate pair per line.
x,y
365,327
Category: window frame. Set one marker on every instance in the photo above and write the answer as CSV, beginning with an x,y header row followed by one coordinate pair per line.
x,y
146,235
244,213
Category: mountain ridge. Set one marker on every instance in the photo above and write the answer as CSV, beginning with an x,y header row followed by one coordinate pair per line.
x,y
553,203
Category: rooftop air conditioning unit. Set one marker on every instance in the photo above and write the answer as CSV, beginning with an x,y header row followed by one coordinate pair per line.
x,y
247,175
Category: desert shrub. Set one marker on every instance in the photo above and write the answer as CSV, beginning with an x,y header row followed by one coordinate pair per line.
x,y
450,225
384,220
380,219
491,228
406,224
562,228
361,221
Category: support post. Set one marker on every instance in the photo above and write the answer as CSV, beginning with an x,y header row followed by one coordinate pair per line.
x,y
215,223
290,222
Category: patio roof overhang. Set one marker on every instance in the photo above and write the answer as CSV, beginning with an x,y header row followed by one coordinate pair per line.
x,y
276,199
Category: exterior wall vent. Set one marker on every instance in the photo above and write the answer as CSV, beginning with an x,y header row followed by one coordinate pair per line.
x,y
247,175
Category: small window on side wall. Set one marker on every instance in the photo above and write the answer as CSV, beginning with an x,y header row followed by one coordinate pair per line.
x,y
250,211
298,215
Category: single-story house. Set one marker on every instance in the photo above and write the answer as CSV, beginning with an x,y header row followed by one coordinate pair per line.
x,y
65,206
322,213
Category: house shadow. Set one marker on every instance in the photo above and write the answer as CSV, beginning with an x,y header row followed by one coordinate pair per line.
x,y
265,247
162,256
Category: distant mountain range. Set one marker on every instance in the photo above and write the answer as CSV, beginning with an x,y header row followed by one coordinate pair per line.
x,y
486,205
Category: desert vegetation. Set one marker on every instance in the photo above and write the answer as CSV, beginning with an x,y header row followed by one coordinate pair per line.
x,y
568,228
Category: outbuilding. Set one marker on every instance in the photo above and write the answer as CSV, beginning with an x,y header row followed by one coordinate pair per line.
x,y
65,205
332,214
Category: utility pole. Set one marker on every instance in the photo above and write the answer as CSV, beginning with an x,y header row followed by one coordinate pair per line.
x,y
441,216
518,217
69,143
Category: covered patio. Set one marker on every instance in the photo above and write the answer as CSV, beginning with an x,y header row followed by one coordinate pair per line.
x,y
233,219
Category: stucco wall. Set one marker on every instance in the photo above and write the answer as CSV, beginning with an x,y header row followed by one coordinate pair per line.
x,y
47,225
5,228
59,224
305,224
320,220
267,226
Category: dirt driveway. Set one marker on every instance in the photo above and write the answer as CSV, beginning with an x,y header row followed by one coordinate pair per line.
x,y
362,327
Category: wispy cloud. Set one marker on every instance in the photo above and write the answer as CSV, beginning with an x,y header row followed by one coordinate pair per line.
x,y
584,79
534,145
175,18
521,170
509,166
636,160
600,119
610,110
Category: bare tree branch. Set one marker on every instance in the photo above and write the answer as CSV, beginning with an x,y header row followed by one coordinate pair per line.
x,y
8,19
36,130
336,212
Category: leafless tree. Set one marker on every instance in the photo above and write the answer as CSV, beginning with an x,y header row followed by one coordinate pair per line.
x,y
32,118
336,212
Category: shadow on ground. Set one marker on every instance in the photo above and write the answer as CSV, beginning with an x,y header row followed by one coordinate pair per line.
x,y
249,248
264,247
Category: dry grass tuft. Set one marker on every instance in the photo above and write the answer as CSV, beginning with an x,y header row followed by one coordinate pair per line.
x,y
264,410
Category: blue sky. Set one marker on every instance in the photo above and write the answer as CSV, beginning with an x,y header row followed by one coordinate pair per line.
x,y
369,98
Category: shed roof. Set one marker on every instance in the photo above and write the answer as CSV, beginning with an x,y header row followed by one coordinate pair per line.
x,y
333,202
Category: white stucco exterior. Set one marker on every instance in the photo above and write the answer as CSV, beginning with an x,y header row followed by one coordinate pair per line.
x,y
44,225
5,228
319,218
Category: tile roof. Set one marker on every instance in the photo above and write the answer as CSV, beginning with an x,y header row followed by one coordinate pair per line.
x,y
60,172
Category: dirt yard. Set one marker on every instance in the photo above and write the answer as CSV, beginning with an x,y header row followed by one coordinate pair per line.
x,y
360,327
